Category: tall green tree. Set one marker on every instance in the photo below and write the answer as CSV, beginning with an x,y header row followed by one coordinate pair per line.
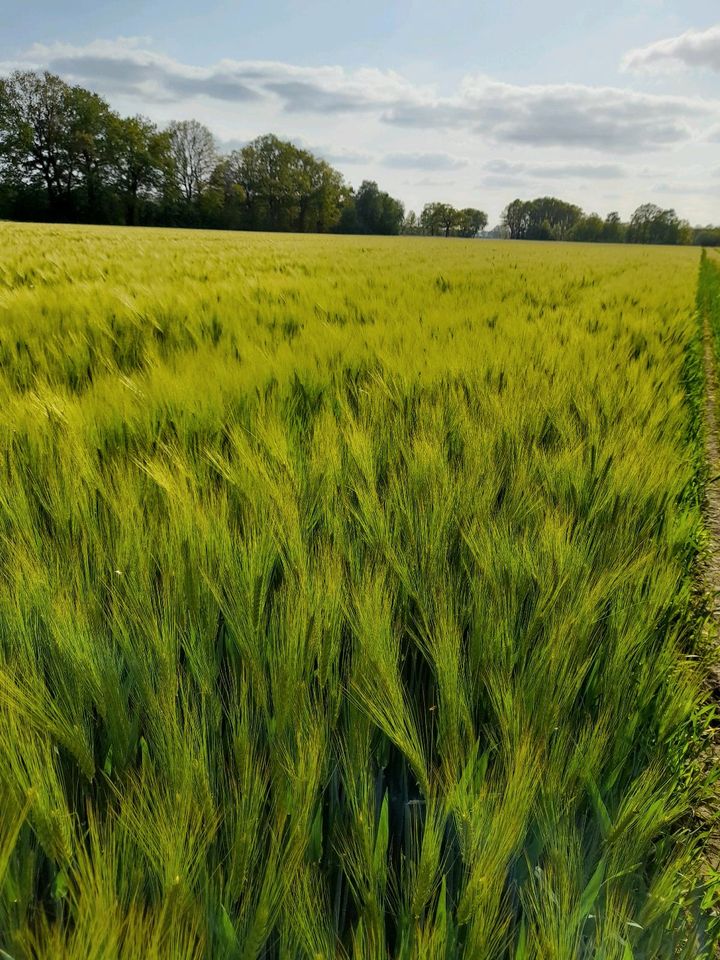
x,y
376,211
94,143
449,218
613,228
589,229
443,218
39,133
471,222
264,169
285,187
545,218
411,223
227,196
194,154
651,224
516,217
431,218
142,162
322,194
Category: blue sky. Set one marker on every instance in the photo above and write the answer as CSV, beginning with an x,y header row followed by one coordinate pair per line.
x,y
608,105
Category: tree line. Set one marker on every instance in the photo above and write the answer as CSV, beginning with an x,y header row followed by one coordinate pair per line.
x,y
443,220
66,155
547,218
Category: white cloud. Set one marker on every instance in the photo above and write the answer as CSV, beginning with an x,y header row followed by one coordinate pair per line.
x,y
334,154
342,155
431,182
695,48
557,170
424,161
675,189
125,65
570,115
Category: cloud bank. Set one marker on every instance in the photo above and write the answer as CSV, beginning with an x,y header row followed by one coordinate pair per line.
x,y
695,48
513,170
552,115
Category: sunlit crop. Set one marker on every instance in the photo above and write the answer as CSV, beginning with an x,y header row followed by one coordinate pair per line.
x,y
348,598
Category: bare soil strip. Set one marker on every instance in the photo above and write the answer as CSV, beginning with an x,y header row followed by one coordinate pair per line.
x,y
712,561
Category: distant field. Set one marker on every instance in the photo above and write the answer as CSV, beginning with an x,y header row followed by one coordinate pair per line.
x,y
347,598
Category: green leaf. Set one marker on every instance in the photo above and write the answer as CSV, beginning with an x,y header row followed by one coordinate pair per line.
x,y
315,848
60,885
227,930
592,890
600,809
441,910
381,840
521,946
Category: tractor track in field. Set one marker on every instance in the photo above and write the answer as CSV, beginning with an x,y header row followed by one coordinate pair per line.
x,y
712,492
711,578
711,571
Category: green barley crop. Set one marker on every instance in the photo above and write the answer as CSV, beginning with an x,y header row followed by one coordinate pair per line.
x,y
348,599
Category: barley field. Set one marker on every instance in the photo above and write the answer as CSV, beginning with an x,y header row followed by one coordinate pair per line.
x,y
348,598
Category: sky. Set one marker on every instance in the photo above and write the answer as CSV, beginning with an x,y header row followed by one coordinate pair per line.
x,y
470,102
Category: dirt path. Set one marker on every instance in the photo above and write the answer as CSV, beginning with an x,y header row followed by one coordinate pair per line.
x,y
712,560
712,495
